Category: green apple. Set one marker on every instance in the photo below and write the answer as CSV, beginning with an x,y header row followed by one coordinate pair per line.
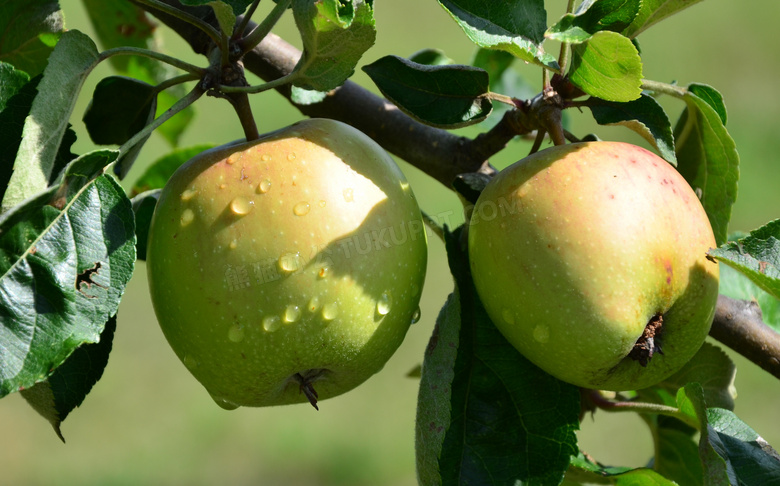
x,y
287,268
591,259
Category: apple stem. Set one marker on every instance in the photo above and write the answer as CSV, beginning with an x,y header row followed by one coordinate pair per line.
x,y
307,389
604,403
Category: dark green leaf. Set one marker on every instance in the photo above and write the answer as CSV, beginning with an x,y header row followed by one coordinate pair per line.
x,y
712,97
445,96
69,64
120,108
29,31
159,171
432,57
757,256
584,471
737,285
515,26
644,116
70,383
239,6
12,117
607,66
335,35
486,413
143,207
11,81
753,460
707,157
226,17
63,271
690,401
592,17
653,11
122,23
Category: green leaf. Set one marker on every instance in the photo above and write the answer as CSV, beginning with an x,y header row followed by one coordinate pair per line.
x,y
514,26
158,172
712,97
444,96
653,11
335,35
63,271
690,400
677,454
239,6
120,108
29,31
70,63
11,82
737,285
607,66
143,207
225,16
753,460
70,383
644,116
713,370
487,413
121,23
583,470
592,17
707,157
433,400
757,256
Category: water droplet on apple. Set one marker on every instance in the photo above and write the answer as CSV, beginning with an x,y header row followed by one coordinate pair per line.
x,y
292,313
301,209
188,194
272,323
314,304
190,362
322,204
231,160
265,157
187,216
264,186
384,304
542,333
240,206
291,156
222,186
508,317
236,333
349,194
416,316
330,311
224,403
290,262
233,244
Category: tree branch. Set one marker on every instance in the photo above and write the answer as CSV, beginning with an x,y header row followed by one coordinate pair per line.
x,y
738,324
444,156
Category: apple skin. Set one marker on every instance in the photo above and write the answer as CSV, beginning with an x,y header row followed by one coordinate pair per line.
x,y
302,252
575,248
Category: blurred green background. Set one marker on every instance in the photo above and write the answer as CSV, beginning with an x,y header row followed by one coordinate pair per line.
x,y
149,422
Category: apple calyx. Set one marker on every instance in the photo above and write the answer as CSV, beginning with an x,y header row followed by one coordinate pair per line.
x,y
649,342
